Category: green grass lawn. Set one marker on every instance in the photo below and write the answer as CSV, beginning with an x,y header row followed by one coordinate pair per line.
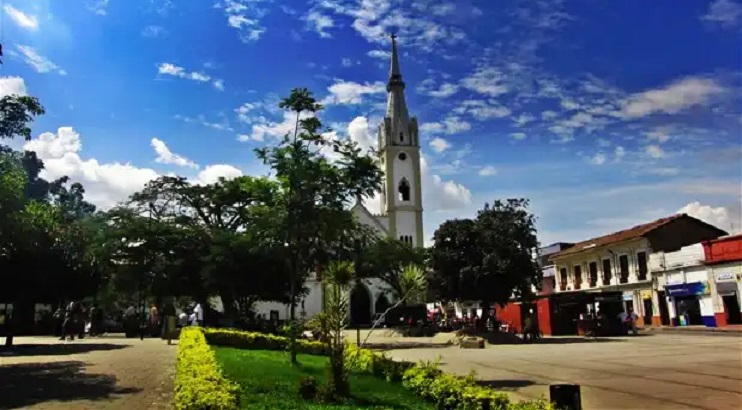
x,y
268,382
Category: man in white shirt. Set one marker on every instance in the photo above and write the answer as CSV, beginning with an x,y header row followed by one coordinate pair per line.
x,y
199,314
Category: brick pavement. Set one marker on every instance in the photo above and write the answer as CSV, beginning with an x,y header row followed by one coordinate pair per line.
x,y
93,373
658,371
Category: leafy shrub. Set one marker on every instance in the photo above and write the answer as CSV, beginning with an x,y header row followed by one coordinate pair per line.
x,y
361,360
308,388
260,341
199,383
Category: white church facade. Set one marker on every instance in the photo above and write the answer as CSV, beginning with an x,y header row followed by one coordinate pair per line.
x,y
401,204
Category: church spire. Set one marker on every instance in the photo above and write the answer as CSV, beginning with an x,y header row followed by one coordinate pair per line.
x,y
396,108
395,76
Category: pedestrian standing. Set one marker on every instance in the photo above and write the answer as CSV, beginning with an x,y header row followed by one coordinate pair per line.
x,y
169,322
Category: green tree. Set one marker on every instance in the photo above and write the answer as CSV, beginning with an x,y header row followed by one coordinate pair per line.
x,y
16,112
313,214
489,258
386,259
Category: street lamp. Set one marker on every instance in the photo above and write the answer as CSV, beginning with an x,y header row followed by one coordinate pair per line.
x,y
143,314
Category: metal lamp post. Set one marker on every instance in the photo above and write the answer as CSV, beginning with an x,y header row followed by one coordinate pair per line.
x,y
142,306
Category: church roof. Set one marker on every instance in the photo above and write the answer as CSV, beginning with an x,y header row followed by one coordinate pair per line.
x,y
396,108
359,207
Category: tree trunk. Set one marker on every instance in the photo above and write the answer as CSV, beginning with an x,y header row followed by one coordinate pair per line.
x,y
292,312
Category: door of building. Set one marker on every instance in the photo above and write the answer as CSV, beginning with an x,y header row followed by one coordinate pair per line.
x,y
664,313
690,307
731,308
648,312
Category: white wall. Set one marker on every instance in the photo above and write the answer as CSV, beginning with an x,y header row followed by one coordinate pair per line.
x,y
407,225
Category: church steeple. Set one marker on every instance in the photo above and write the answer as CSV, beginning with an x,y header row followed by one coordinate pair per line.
x,y
395,76
397,116
399,149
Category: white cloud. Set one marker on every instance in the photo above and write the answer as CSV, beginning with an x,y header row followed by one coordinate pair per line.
x,y
262,127
12,85
597,159
444,91
212,173
482,110
440,195
154,31
486,80
221,126
439,144
347,62
40,63
98,6
548,115
380,54
360,132
487,171
319,23
518,135
219,85
619,153
721,217
165,156
375,19
250,28
23,20
726,13
671,99
180,72
450,125
105,183
523,119
659,135
654,151
348,92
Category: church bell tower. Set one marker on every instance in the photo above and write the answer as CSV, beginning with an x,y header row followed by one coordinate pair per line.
x,y
399,149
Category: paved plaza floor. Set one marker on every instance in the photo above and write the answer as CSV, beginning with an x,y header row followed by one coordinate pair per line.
x,y
93,373
653,371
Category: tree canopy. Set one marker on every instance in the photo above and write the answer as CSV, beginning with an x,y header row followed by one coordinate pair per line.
x,y
489,258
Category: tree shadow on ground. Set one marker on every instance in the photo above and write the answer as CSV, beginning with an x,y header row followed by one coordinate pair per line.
x,y
506,385
24,385
58,349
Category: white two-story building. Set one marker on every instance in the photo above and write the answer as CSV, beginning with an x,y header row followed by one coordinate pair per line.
x,y
623,262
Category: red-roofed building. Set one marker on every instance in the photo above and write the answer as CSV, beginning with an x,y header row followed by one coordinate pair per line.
x,y
723,258
619,266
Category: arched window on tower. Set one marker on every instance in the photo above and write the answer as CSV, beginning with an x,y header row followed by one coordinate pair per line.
x,y
404,190
401,137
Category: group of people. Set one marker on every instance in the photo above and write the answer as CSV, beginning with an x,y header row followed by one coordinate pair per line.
x,y
76,318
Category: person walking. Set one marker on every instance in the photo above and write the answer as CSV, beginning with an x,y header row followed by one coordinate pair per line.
x,y
68,326
631,318
198,313
169,322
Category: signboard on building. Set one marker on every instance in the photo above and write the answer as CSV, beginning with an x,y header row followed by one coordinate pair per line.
x,y
725,276
628,295
646,293
688,289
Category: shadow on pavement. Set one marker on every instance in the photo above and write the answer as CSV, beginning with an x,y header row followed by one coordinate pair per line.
x,y
58,349
507,385
28,384
572,340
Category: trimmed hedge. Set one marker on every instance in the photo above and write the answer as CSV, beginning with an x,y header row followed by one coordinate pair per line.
x,y
425,379
260,341
199,383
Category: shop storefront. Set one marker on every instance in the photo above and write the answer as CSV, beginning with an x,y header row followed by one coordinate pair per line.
x,y
692,304
727,290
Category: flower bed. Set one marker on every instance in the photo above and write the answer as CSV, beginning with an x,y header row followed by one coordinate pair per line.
x,y
426,380
199,383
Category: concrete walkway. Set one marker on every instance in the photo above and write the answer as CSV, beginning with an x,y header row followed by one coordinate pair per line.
x,y
660,371
93,373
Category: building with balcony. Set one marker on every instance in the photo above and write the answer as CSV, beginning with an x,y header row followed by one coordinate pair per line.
x,y
619,263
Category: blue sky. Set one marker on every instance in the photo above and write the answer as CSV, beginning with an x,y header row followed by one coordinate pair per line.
x,y
604,114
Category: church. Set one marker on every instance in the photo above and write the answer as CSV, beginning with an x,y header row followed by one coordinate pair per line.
x,y
401,204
